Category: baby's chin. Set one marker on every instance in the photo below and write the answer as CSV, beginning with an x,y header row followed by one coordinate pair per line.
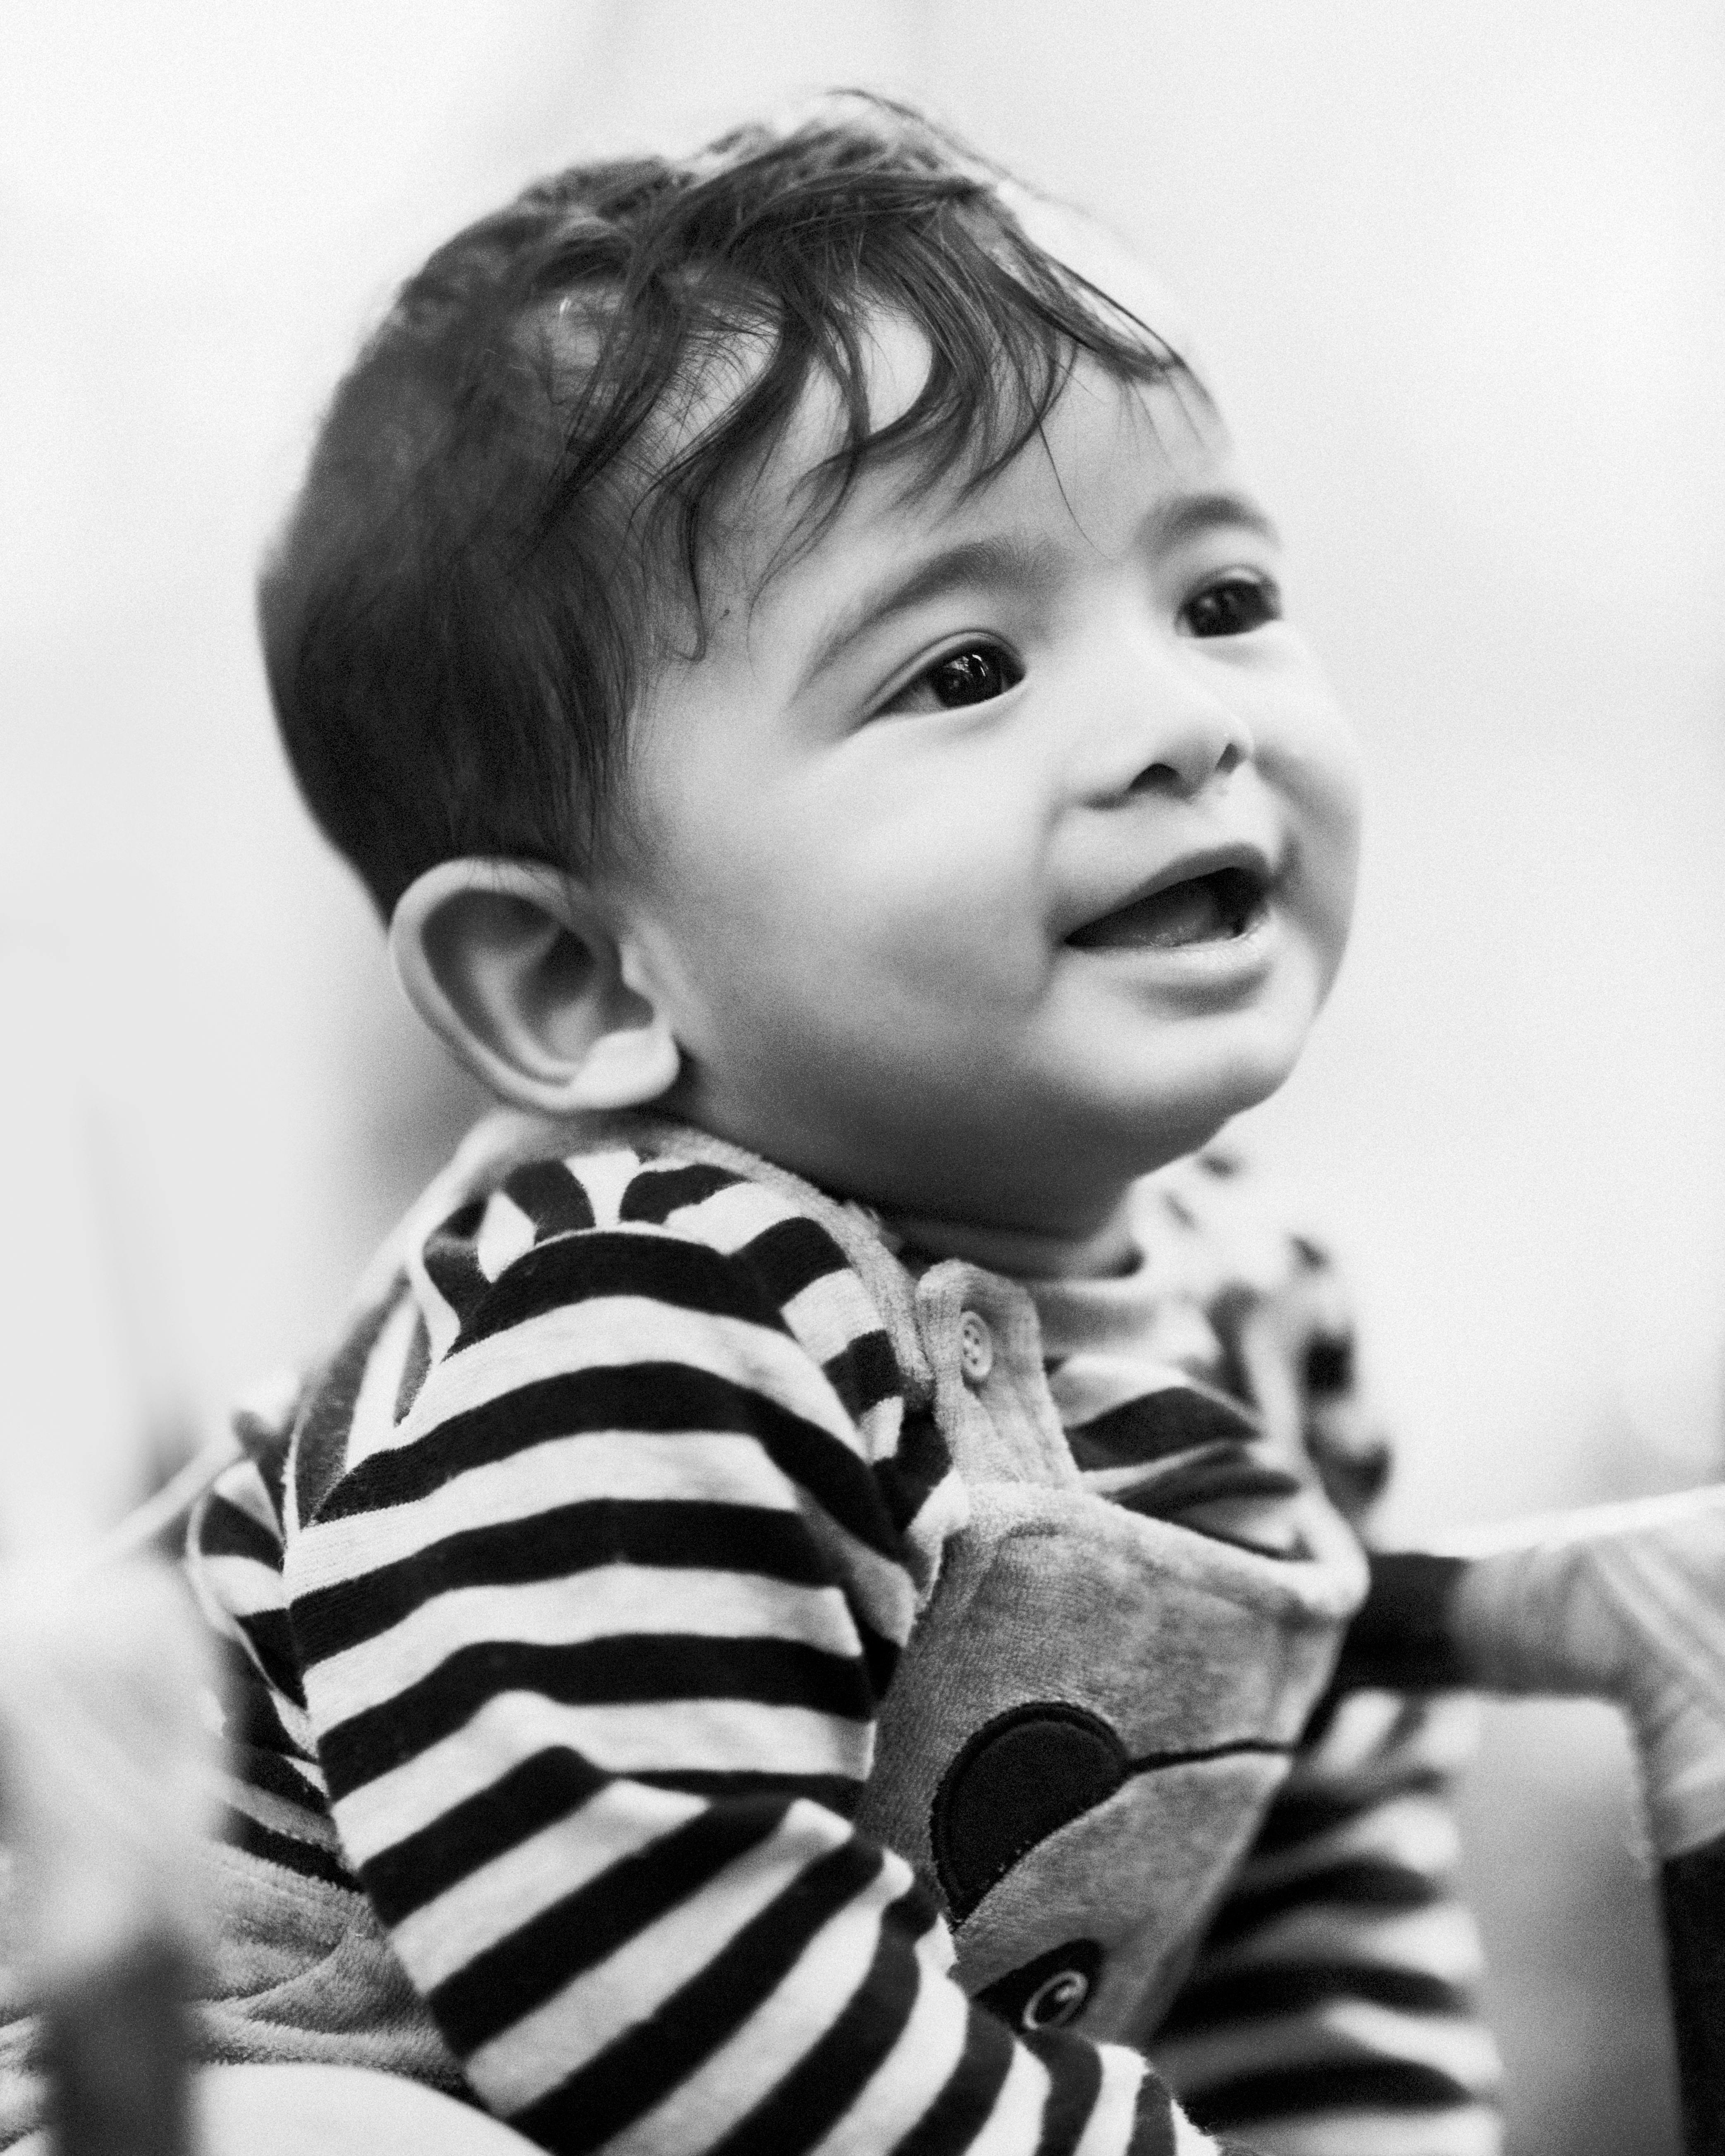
x,y
1142,1136
1064,1176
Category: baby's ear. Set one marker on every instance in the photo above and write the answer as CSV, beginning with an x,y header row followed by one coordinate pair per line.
x,y
520,971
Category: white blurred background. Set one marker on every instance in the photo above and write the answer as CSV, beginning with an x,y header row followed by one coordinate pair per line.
x,y
1459,274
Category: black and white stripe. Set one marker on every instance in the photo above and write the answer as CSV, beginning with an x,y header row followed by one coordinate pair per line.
x,y
603,1532
1333,2008
602,1545
1333,2005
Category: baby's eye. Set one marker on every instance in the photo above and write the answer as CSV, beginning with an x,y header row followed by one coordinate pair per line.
x,y
975,673
1232,606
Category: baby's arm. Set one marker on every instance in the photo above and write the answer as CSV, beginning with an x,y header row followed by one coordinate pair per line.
x,y
1622,1602
1625,1602
592,1655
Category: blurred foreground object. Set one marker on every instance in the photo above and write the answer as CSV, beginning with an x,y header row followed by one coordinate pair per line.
x,y
96,1398
108,1723
327,2111
108,1711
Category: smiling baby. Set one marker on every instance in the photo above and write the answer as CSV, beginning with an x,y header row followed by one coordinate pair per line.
x,y
799,1613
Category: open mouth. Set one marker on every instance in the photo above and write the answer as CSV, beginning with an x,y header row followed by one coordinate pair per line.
x,y
1213,908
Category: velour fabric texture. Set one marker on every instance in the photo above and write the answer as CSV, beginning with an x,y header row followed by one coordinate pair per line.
x,y
1096,1708
303,1972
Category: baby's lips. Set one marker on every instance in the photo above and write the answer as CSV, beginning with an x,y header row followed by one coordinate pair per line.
x,y
1244,857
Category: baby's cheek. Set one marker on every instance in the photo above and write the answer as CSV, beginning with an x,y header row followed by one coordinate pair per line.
x,y
1333,869
1319,785
954,939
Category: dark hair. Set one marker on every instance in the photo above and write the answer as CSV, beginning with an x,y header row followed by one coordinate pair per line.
x,y
499,515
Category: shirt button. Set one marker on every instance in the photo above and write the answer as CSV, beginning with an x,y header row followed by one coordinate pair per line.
x,y
976,1348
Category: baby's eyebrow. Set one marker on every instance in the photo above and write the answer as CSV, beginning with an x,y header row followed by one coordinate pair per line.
x,y
1004,558
1187,514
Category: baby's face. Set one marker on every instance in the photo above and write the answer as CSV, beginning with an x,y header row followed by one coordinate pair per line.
x,y
1002,846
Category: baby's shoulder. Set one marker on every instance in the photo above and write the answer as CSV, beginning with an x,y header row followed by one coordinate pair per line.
x,y
648,1219
553,1274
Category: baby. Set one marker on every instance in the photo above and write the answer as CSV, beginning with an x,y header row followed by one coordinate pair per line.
x,y
801,1612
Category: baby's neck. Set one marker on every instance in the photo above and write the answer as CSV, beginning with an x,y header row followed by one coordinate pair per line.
x,y
1022,1253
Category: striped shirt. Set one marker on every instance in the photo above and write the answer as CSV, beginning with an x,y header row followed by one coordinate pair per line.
x,y
568,1594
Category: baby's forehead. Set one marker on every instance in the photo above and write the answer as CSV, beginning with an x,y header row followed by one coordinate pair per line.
x,y
794,513
859,442
1103,258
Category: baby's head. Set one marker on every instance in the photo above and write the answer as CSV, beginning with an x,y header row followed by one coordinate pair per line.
x,y
780,641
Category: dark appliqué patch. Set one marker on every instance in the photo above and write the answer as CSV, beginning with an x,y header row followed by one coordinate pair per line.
x,y
1020,1778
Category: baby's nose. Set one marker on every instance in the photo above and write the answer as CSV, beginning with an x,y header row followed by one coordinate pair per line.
x,y
1159,717
1188,761
1166,733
